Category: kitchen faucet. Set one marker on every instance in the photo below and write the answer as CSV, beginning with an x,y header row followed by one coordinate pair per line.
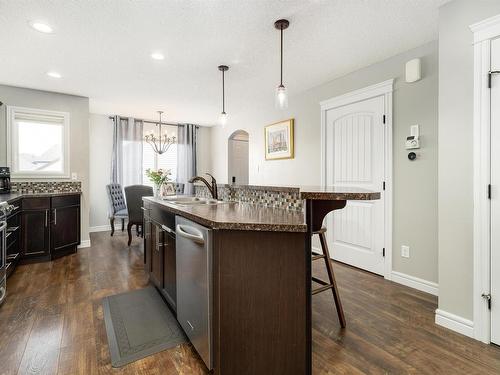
x,y
212,188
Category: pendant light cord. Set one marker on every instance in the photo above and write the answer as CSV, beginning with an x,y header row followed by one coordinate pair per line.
x,y
281,72
223,94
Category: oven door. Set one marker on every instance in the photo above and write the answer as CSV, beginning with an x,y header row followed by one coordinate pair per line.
x,y
3,260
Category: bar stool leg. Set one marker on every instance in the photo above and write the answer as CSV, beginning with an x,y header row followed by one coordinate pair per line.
x,y
329,268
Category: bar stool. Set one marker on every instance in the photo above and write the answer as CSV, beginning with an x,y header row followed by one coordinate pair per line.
x,y
328,285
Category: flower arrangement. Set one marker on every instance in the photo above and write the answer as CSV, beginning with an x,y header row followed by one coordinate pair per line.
x,y
159,177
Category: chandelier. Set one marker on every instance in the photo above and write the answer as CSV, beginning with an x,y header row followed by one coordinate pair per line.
x,y
162,143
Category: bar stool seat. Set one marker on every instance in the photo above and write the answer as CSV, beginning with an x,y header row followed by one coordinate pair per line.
x,y
331,284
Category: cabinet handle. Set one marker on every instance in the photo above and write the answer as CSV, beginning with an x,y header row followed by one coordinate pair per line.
x,y
55,216
167,229
46,217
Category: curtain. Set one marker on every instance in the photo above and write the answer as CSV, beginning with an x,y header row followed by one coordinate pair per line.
x,y
186,155
126,161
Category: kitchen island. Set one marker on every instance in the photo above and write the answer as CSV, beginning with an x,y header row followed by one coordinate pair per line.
x,y
253,279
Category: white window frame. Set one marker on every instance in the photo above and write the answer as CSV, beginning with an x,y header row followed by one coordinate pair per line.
x,y
12,149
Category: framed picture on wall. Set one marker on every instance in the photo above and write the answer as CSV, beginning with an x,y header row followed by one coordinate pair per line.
x,y
279,140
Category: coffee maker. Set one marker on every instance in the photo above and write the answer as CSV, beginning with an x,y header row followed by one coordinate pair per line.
x,y
4,180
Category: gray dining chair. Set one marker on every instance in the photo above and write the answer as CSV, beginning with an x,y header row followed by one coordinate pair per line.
x,y
117,207
133,196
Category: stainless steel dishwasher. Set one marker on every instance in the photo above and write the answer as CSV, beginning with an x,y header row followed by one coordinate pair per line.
x,y
194,285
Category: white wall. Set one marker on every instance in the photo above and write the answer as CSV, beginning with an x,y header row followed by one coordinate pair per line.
x,y
78,108
101,134
415,183
456,83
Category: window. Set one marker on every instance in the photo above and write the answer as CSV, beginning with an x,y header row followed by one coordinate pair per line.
x,y
151,160
39,143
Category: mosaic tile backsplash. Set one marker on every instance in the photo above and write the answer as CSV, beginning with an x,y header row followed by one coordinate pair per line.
x,y
46,186
266,196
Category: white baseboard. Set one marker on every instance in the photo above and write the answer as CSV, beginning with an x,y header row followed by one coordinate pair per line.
x,y
83,244
407,280
415,282
101,228
107,227
455,323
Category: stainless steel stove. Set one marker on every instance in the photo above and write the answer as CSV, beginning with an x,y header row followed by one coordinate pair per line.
x,y
5,209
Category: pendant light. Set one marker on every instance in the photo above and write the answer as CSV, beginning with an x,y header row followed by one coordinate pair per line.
x,y
281,94
223,115
162,143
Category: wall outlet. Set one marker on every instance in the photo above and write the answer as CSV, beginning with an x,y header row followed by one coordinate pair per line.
x,y
74,176
405,251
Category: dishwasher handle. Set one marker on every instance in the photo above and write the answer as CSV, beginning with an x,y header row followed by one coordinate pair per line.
x,y
190,233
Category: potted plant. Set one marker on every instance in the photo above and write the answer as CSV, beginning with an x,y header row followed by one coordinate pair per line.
x,y
158,178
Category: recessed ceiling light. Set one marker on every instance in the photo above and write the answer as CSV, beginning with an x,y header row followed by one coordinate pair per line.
x,y
42,27
54,74
157,56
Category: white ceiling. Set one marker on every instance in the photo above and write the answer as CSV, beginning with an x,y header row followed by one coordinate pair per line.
x,y
102,48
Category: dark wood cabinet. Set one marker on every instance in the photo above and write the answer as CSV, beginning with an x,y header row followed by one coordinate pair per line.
x,y
148,244
35,228
50,227
156,275
169,273
159,252
65,225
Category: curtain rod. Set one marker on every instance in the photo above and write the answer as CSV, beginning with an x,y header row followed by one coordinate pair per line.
x,y
149,121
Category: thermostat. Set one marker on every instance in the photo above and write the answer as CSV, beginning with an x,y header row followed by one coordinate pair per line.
x,y
412,141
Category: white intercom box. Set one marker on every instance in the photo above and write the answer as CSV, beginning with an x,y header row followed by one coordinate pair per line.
x,y
413,71
412,141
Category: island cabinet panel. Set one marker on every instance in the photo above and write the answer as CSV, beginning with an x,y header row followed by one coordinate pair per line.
x,y
148,244
261,303
169,270
156,275
159,251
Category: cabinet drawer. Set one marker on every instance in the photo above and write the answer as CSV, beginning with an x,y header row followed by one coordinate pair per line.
x,y
65,200
36,203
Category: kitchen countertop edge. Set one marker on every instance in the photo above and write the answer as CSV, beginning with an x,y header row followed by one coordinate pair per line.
x,y
263,226
9,197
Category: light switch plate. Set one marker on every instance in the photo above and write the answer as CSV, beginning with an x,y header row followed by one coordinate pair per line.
x,y
405,251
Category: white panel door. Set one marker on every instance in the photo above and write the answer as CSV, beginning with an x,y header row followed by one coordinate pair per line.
x,y
495,196
238,161
355,158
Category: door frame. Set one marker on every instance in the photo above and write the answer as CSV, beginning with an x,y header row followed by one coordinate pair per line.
x,y
384,89
483,32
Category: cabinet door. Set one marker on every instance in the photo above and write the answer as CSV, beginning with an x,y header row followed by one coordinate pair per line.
x,y
148,245
169,276
156,275
35,233
65,228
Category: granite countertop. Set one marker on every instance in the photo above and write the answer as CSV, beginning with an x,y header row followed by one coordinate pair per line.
x,y
337,193
238,216
16,195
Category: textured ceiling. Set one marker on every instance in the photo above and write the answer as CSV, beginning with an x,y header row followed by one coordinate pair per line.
x,y
102,48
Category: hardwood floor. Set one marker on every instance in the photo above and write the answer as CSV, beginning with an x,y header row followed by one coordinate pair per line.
x,y
52,322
